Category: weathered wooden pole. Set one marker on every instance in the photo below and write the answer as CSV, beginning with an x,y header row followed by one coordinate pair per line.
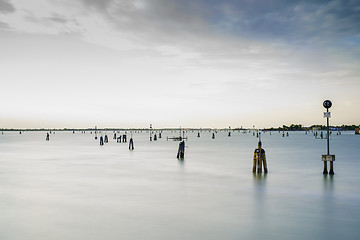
x,y
259,159
181,150
131,142
150,132
101,141
47,137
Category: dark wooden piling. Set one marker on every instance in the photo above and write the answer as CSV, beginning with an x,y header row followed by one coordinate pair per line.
x,y
106,140
114,136
101,141
118,139
155,137
213,136
124,138
150,132
181,150
47,137
198,134
131,144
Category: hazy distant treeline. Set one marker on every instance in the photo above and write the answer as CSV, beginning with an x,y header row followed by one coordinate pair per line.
x,y
292,127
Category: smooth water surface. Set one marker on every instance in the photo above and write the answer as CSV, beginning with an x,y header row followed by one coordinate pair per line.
x,y
72,188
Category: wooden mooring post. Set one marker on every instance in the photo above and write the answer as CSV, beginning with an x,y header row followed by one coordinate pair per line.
x,y
150,132
259,159
181,150
131,142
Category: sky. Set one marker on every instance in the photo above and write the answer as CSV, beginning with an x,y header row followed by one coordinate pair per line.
x,y
171,63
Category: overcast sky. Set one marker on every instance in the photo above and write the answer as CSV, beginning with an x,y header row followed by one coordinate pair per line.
x,y
191,63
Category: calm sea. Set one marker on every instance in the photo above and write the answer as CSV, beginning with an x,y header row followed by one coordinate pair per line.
x,y
72,188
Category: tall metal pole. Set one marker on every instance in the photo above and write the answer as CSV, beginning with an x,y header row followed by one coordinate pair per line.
x,y
327,139
327,104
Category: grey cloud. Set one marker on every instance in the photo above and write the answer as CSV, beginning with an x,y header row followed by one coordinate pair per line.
x,y
4,25
97,4
6,7
302,21
233,28
58,19
161,21
298,21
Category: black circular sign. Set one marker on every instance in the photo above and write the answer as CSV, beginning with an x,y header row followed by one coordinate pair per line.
x,y
327,104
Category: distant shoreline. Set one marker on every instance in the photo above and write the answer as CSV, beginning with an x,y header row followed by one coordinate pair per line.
x,y
285,128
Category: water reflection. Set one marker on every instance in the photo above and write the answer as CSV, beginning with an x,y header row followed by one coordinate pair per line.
x,y
181,162
328,183
259,179
259,206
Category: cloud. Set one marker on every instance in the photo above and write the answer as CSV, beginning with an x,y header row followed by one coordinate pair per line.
x,y
187,23
58,19
296,21
6,7
97,4
4,25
